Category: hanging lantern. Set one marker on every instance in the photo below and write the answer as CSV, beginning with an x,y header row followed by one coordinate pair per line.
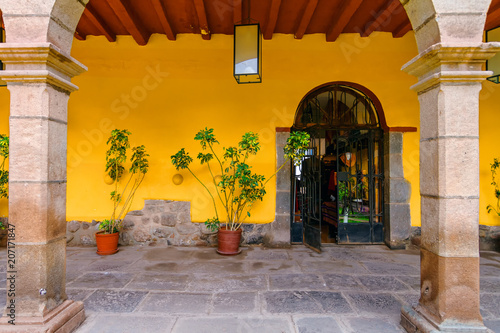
x,y
247,53
493,64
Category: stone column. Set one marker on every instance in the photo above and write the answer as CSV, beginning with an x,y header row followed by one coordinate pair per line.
x,y
277,234
448,91
397,218
38,78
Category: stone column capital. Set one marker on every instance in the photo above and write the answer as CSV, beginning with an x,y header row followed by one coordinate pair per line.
x,y
39,63
446,63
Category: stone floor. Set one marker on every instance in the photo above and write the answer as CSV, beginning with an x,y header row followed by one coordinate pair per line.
x,y
195,290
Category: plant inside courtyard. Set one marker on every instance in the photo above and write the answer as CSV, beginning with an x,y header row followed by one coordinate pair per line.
x,y
125,182
4,174
494,169
237,187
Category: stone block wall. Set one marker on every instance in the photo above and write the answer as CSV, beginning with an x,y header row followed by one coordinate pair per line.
x,y
397,218
161,222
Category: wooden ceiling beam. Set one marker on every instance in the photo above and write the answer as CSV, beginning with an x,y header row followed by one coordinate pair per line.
x,y
237,11
306,18
493,17
342,18
402,29
99,23
162,16
383,15
272,18
130,21
202,19
78,36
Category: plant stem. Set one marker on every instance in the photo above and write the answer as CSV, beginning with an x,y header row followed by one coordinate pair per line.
x,y
274,174
206,188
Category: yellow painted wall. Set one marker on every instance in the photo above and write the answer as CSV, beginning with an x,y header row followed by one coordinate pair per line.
x,y
4,129
489,148
196,89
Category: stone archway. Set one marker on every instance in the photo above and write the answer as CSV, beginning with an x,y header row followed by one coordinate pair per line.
x,y
38,73
449,68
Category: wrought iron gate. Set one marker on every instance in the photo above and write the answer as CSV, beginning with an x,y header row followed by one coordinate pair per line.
x,y
307,199
338,187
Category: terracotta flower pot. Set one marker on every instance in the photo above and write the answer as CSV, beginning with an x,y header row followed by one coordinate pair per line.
x,y
229,241
107,243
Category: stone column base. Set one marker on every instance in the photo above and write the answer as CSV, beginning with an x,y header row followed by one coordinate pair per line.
x,y
63,319
415,322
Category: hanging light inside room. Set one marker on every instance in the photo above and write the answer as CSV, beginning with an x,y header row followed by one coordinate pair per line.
x,y
247,59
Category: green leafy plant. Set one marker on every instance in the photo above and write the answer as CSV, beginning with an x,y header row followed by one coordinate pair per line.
x,y
4,174
238,187
494,167
116,157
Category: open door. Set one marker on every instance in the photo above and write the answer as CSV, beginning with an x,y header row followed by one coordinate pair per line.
x,y
359,189
307,198
337,190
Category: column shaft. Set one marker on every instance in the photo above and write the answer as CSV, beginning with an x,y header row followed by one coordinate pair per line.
x,y
448,88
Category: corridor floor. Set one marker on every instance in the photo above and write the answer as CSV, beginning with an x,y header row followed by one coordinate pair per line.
x,y
194,290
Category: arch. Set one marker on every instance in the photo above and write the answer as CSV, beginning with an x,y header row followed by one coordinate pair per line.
x,y
357,89
55,22
434,23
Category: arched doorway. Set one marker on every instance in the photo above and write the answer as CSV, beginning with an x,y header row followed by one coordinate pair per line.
x,y
337,190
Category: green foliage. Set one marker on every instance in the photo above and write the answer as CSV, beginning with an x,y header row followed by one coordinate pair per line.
x,y
494,167
116,157
238,187
296,146
4,174
110,226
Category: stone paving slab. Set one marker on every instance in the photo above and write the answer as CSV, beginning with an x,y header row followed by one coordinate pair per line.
x,y
341,267
296,282
102,280
317,325
343,282
233,325
347,289
113,301
204,282
306,302
382,283
373,325
236,302
175,303
374,303
272,267
159,281
391,268
133,323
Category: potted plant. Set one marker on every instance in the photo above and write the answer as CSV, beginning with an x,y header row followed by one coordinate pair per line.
x,y
494,166
116,157
4,174
237,187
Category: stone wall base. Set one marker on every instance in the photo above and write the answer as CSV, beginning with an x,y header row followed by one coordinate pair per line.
x,y
63,319
169,222
162,222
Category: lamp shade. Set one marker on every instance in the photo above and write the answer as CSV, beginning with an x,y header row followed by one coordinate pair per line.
x,y
247,65
493,64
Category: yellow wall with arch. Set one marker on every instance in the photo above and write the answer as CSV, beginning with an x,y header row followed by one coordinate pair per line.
x,y
166,91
